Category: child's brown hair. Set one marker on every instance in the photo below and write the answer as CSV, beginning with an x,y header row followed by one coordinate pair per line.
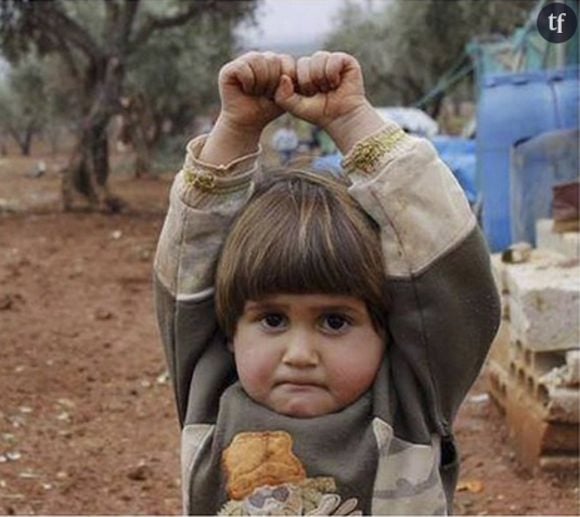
x,y
301,232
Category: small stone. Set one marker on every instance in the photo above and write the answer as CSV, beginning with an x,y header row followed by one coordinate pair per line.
x,y
163,378
479,399
103,314
116,235
6,302
13,456
139,473
25,409
61,474
16,421
66,403
28,474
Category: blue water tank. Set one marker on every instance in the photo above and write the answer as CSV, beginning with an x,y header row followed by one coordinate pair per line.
x,y
513,108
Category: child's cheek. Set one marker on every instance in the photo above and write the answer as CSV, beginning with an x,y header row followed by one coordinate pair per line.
x,y
256,372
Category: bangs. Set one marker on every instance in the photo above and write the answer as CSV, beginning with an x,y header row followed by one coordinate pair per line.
x,y
298,235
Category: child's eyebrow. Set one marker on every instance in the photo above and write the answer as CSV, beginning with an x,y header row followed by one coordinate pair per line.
x,y
335,308
256,306
265,305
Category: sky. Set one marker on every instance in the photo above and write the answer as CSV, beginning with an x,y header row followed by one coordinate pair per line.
x,y
284,24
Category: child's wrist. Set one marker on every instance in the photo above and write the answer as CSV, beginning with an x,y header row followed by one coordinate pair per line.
x,y
354,126
239,129
228,141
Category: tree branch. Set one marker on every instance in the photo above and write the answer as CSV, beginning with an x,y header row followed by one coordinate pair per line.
x,y
49,18
127,19
68,59
111,17
153,23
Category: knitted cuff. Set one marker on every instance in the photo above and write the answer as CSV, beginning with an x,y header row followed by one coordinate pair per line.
x,y
217,179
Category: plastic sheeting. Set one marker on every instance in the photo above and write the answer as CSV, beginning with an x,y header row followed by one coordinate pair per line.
x,y
513,108
413,120
459,155
537,165
330,163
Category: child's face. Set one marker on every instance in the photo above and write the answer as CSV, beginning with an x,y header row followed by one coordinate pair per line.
x,y
306,355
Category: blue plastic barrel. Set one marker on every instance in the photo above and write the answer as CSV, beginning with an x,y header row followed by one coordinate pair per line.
x,y
513,108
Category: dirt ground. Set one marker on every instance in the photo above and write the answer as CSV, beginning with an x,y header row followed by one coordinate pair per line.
x,y
87,419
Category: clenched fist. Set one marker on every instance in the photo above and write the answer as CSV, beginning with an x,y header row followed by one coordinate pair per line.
x,y
328,91
325,89
247,88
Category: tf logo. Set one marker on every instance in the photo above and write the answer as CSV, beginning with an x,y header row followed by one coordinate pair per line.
x,y
557,22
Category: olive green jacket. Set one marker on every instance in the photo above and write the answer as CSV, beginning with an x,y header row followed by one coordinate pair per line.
x,y
393,450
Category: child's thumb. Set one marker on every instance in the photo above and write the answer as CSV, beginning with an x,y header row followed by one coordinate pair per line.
x,y
285,95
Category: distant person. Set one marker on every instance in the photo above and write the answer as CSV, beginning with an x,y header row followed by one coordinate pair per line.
x,y
320,335
320,140
285,142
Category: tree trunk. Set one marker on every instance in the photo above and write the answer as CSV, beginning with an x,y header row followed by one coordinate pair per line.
x,y
27,141
24,140
88,171
138,129
143,158
88,168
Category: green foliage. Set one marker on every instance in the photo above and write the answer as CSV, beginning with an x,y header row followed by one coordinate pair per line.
x,y
407,46
173,66
23,107
176,72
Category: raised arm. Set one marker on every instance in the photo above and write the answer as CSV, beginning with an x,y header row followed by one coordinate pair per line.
x,y
214,183
445,308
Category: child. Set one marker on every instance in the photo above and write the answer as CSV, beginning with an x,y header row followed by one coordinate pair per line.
x,y
319,365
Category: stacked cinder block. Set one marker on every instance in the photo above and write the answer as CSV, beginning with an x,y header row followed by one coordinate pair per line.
x,y
534,369
566,243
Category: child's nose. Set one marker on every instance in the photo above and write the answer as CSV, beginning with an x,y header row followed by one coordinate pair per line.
x,y
301,350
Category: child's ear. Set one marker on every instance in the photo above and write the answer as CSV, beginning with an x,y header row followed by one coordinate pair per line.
x,y
230,345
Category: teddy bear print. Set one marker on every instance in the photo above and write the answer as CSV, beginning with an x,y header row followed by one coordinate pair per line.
x,y
264,477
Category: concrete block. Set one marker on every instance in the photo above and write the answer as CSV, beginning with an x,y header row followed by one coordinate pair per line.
x,y
536,363
541,415
497,383
497,365
534,437
498,269
499,272
567,243
573,365
562,404
559,463
544,302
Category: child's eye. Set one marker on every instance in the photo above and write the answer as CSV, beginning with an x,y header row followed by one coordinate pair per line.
x,y
335,323
273,321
